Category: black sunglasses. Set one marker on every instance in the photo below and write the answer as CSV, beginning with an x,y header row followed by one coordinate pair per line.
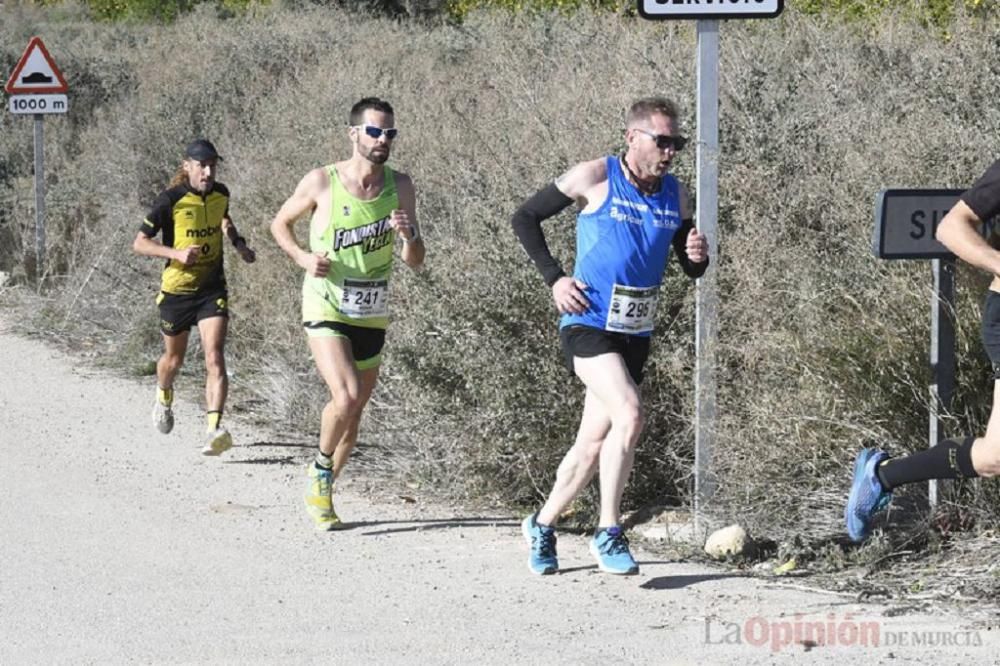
x,y
664,141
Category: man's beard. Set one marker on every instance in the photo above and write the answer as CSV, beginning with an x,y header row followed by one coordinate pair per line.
x,y
377,157
203,188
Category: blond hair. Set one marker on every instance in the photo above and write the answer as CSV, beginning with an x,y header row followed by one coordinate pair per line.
x,y
179,178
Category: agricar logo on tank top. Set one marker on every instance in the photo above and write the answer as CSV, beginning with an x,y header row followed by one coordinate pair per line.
x,y
634,212
371,237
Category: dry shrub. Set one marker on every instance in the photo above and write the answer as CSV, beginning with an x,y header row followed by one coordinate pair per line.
x,y
821,345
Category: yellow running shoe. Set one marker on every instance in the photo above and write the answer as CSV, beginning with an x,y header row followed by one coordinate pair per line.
x,y
219,441
319,499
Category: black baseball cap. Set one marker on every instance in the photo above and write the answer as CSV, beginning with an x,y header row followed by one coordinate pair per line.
x,y
201,150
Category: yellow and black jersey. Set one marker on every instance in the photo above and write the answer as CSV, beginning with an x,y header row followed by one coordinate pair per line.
x,y
185,218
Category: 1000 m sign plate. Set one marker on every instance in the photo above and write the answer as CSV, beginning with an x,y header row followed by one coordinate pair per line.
x,y
710,9
39,104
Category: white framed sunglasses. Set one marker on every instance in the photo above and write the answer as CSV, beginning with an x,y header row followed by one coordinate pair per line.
x,y
375,132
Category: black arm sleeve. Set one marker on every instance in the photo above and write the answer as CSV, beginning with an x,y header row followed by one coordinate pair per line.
x,y
679,242
527,223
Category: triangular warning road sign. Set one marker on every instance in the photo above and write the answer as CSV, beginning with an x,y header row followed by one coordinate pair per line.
x,y
36,72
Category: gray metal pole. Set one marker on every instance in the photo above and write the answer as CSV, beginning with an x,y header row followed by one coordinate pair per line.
x,y
39,198
942,355
706,290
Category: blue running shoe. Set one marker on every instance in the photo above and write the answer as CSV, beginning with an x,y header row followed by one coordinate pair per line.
x,y
867,497
610,547
542,542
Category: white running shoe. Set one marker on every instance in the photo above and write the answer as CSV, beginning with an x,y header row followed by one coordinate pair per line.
x,y
163,416
219,441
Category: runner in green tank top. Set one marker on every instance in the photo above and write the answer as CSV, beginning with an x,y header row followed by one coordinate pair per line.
x,y
358,237
359,206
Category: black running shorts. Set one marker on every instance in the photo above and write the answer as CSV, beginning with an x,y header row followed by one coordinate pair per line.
x,y
586,342
366,343
179,312
991,330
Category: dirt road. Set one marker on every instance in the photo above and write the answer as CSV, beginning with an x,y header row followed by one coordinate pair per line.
x,y
122,545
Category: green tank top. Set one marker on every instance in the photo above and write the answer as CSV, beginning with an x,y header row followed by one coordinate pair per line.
x,y
359,243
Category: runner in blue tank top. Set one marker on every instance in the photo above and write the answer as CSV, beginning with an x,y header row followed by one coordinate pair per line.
x,y
622,248
632,213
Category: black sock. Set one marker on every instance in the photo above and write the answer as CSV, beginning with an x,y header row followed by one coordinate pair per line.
x,y
950,459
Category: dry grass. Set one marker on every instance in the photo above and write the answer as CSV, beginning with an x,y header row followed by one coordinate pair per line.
x,y
821,345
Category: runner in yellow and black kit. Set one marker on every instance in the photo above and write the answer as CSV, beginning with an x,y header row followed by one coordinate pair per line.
x,y
358,208
192,216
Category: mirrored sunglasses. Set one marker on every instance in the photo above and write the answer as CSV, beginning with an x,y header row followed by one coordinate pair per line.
x,y
376,132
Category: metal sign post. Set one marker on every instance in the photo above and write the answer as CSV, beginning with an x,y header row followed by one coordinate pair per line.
x,y
706,288
39,196
905,226
708,15
942,355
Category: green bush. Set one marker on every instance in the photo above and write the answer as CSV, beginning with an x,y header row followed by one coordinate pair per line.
x,y
933,12
461,8
143,10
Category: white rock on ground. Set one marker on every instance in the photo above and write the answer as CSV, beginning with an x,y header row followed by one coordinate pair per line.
x,y
732,540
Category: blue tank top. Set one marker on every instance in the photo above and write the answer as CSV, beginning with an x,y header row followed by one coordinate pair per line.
x,y
621,253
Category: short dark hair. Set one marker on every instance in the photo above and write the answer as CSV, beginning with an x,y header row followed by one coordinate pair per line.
x,y
365,103
642,109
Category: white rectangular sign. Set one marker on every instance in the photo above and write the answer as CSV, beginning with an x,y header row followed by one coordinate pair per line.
x,y
709,9
29,104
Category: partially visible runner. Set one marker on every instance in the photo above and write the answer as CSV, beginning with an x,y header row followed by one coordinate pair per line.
x,y
192,215
359,206
876,475
632,212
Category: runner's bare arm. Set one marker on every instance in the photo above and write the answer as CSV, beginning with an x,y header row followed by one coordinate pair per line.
x,y
404,221
151,247
958,232
238,241
578,183
302,201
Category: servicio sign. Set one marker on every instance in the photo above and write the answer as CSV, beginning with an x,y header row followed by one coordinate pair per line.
x,y
709,9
